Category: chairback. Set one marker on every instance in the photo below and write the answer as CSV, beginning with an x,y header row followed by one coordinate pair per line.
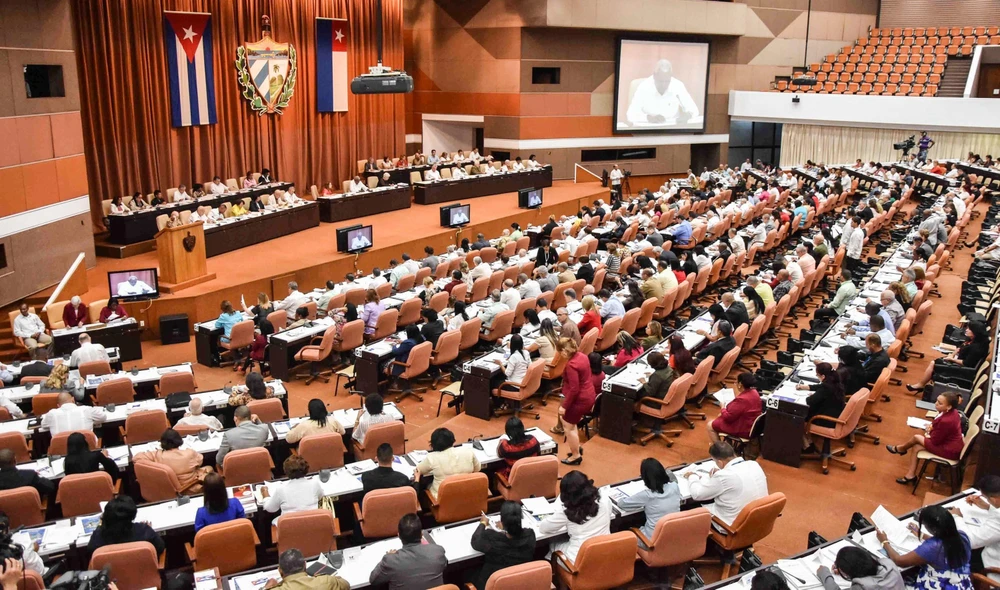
x,y
461,497
393,433
534,575
533,477
145,426
310,531
604,561
323,451
229,546
157,482
754,522
133,565
382,509
245,466
82,493
678,538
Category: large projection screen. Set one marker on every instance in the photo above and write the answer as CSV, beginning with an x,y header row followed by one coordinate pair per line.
x,y
660,86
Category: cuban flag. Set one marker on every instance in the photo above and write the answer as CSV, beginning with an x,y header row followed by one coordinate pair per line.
x,y
331,65
188,36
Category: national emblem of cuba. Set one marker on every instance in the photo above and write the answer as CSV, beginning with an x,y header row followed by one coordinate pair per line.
x,y
266,71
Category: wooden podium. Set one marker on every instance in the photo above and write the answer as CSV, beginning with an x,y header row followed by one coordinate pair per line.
x,y
181,251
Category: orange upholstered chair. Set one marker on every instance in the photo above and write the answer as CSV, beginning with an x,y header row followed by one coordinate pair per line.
x,y
534,575
531,477
664,410
83,493
134,566
503,323
229,546
94,368
446,351
605,561
310,531
57,446
268,410
314,354
23,506
352,335
417,363
385,325
157,482
115,391
460,497
278,319
189,429
470,333
31,580
844,426
381,510
245,466
43,402
323,451
144,426
609,334
754,522
176,382
240,338
516,393
678,538
393,433
16,442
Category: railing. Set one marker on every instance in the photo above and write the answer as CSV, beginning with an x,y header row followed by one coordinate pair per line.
x,y
581,174
75,276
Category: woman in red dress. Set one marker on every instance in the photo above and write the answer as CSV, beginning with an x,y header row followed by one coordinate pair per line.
x,y
578,397
738,416
943,436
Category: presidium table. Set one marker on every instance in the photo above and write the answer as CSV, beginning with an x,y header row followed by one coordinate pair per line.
x,y
440,191
141,226
239,232
344,206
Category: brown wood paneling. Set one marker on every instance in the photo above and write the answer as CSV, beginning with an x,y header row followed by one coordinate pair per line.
x,y
43,24
574,76
467,103
6,86
12,181
936,13
71,173
39,186
36,106
568,44
67,134
9,154
548,127
34,138
989,81
35,267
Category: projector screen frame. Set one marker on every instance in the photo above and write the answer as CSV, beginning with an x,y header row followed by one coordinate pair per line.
x,y
693,39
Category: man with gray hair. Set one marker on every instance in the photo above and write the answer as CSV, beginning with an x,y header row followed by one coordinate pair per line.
x,y
295,300
479,270
806,262
565,274
570,295
892,307
292,570
545,281
510,296
909,276
87,352
528,288
567,327
490,313
195,417
661,99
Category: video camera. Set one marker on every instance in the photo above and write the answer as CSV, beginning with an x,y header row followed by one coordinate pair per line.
x,y
906,145
84,580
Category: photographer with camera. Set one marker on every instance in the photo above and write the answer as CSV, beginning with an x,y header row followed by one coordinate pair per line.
x,y
11,550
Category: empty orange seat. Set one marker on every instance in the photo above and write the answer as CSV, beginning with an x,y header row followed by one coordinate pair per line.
x,y
930,90
891,50
852,88
814,68
907,31
995,40
832,77
841,88
953,50
862,68
932,41
923,70
821,76
782,85
918,32
829,87
967,30
917,90
841,58
931,31
878,88
853,58
882,78
874,33
903,89
837,67
825,67
907,78
940,59
911,68
920,78
857,77
878,59
890,88
993,30
955,31
982,40
979,31
897,32
934,79
895,78
866,59
919,41
966,50
869,77
850,68
866,88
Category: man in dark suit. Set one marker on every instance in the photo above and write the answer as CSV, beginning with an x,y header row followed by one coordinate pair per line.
x,y
546,255
11,477
256,204
720,347
415,565
37,368
480,242
384,181
383,476
736,311
548,227
876,360
586,271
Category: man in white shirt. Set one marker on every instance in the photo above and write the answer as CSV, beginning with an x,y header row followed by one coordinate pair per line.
x,y
460,157
194,417
433,173
31,330
532,163
295,300
133,286
616,178
358,186
959,204
87,352
68,416
733,484
746,166
794,271
479,270
528,288
458,173
661,99
182,196
411,265
217,187
474,156
518,164
360,241
979,518
396,272
736,243
510,297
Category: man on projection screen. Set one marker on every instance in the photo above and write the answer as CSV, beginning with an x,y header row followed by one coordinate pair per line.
x,y
661,99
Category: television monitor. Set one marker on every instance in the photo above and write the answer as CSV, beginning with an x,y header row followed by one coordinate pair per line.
x,y
359,239
456,215
134,285
661,86
529,198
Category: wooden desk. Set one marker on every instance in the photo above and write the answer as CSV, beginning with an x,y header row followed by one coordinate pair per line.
x,y
429,193
126,336
784,426
353,205
248,231
141,226
402,175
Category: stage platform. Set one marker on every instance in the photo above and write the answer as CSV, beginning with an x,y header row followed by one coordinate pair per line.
x,y
311,258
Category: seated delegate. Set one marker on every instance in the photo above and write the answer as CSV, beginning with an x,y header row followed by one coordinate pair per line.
x,y
661,496
733,484
507,545
219,507
446,459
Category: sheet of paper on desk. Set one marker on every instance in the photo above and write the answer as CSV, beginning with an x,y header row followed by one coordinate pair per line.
x,y
541,435
255,581
359,562
346,417
205,579
919,423
457,540
631,488
417,456
895,531
361,466
61,534
490,447
116,453
538,506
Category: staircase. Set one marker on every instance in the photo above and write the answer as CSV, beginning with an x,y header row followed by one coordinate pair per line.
x,y
956,72
8,350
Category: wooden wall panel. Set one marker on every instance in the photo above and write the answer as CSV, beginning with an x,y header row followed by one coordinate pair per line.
x,y
40,256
